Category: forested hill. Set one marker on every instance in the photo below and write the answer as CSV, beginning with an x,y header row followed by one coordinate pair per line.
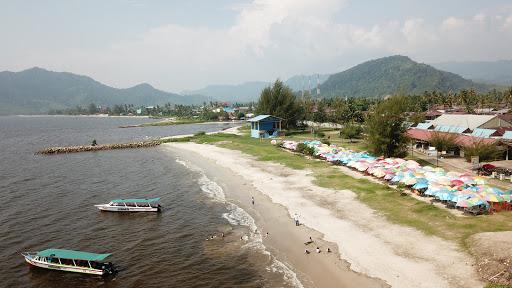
x,y
394,74
36,91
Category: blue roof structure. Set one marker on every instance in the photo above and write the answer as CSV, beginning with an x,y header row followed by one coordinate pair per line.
x,y
229,110
71,254
483,133
507,135
261,117
136,200
424,125
450,129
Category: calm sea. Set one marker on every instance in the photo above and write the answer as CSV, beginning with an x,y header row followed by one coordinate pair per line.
x,y
47,202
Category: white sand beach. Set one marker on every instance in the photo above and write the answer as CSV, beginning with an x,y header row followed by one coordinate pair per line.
x,y
391,254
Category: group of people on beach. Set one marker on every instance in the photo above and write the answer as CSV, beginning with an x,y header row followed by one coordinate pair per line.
x,y
297,223
306,251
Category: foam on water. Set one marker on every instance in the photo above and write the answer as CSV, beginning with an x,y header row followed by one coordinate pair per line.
x,y
237,216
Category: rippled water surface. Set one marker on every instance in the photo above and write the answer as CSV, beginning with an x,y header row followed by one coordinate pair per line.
x,y
47,202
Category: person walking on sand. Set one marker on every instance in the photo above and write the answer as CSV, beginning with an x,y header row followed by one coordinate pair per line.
x,y
296,218
317,249
252,200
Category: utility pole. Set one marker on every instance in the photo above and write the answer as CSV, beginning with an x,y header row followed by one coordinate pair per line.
x,y
318,86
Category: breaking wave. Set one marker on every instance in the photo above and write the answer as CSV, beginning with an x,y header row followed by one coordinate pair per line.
x,y
237,216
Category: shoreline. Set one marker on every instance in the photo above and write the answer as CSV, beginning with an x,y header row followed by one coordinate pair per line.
x,y
400,256
285,241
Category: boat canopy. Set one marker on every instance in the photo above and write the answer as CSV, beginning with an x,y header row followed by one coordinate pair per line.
x,y
136,200
71,254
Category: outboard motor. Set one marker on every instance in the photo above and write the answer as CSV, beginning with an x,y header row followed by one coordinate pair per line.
x,y
109,268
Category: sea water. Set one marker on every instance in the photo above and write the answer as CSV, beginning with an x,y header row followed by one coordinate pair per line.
x,y
47,202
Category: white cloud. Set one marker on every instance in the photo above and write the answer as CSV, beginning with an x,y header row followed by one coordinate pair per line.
x,y
270,39
453,23
480,17
508,22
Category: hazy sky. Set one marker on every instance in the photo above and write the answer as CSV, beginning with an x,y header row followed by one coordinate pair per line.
x,y
187,44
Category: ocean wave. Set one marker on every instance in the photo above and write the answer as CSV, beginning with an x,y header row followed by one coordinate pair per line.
x,y
237,216
289,275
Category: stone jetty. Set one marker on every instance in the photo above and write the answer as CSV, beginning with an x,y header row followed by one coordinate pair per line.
x,y
89,148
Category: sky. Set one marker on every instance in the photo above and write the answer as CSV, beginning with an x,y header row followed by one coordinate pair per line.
x,y
185,45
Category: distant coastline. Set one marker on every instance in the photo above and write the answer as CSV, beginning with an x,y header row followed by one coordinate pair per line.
x,y
87,116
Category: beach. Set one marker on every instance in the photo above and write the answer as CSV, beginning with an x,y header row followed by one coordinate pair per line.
x,y
367,250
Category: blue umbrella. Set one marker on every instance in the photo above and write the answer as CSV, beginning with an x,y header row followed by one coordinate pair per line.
x,y
444,196
420,185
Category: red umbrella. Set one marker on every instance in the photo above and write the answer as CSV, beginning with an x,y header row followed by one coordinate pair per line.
x,y
488,166
457,182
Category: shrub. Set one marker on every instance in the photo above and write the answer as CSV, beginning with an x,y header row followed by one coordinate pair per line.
x,y
484,151
443,141
305,149
351,131
199,133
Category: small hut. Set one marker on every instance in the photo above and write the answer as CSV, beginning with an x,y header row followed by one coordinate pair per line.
x,y
265,126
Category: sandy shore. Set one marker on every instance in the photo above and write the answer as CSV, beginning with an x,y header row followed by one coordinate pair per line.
x,y
397,255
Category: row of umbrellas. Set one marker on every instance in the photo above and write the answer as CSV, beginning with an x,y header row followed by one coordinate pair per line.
x,y
458,189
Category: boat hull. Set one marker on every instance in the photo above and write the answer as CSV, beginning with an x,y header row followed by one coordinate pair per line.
x,y
66,268
106,207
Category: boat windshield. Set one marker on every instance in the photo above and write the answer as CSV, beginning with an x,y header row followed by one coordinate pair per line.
x,y
116,204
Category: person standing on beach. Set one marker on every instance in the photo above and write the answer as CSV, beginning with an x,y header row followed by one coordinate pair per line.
x,y
296,218
252,200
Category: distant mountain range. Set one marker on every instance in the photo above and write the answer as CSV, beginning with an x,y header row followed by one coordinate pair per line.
x,y
37,90
250,91
497,72
393,74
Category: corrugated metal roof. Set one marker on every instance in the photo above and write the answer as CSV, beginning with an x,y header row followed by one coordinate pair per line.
x,y
507,135
461,139
450,129
261,117
442,128
463,120
457,129
425,125
483,133
419,134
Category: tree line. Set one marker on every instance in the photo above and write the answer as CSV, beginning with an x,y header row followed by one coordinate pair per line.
x,y
382,120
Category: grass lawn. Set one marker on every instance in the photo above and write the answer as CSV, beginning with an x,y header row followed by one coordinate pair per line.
x,y
388,201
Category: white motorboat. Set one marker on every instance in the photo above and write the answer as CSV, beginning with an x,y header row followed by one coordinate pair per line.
x,y
70,261
132,205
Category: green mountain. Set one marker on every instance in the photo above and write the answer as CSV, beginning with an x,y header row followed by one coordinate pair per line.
x,y
390,75
36,90
495,72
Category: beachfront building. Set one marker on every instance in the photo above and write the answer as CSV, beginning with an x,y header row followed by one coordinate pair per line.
x,y
265,126
465,130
